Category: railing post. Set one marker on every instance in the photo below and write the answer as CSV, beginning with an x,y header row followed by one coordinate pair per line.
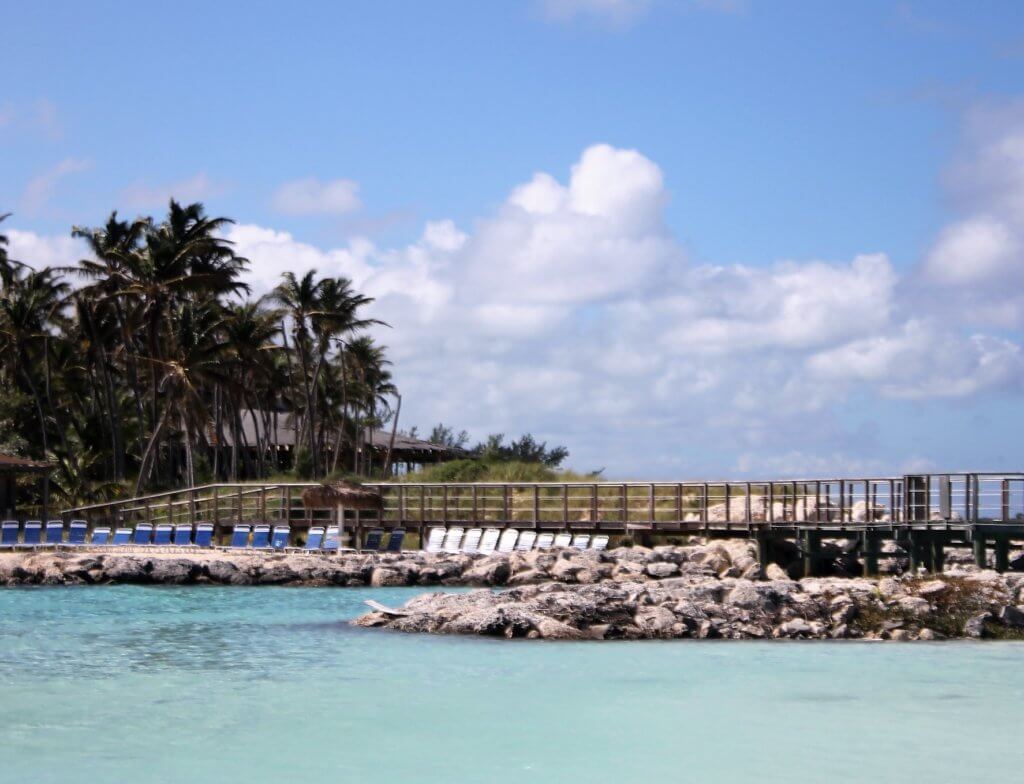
x,y
216,507
474,505
444,504
650,505
565,506
505,517
595,508
679,503
1005,501
536,506
401,506
423,505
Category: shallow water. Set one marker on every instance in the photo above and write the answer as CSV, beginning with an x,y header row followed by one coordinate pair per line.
x,y
210,684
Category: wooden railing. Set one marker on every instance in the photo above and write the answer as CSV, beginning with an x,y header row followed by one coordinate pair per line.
x,y
933,499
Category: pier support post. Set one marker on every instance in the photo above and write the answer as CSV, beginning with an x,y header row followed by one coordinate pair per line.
x,y
811,544
763,554
1002,554
938,555
978,545
914,551
869,552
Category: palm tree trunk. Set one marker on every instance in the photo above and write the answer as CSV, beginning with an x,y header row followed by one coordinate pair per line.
x,y
148,451
391,443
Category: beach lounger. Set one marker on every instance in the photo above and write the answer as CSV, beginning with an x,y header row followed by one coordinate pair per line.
x,y
101,536
563,540
526,541
123,536
374,539
435,540
204,534
240,536
162,534
9,531
471,542
279,539
545,540
395,540
261,537
315,538
507,542
580,541
76,532
182,534
143,533
54,531
489,541
453,539
331,538
32,536
599,542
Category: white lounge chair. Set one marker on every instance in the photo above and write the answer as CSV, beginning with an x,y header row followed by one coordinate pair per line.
x,y
489,541
453,540
507,542
580,541
563,540
526,540
599,542
471,542
545,540
435,540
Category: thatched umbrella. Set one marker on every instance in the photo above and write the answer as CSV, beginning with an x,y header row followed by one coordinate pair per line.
x,y
341,496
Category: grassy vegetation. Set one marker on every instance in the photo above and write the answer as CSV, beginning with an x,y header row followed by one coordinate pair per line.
x,y
962,600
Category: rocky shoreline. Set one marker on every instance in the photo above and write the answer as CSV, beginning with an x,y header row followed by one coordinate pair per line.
x,y
701,591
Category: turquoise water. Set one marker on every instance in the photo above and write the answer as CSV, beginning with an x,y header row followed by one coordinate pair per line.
x,y
134,684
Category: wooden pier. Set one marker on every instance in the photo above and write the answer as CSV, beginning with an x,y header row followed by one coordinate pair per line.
x,y
924,513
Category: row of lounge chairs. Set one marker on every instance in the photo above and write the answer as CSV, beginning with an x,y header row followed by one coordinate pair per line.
x,y
491,540
257,536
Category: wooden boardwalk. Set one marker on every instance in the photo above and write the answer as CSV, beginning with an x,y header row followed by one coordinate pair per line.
x,y
924,513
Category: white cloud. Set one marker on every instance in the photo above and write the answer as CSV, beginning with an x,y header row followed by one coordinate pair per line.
x,y
144,196
41,188
40,251
309,196
573,312
975,269
979,249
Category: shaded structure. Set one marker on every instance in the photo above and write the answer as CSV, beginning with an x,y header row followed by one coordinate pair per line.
x,y
342,497
274,436
12,467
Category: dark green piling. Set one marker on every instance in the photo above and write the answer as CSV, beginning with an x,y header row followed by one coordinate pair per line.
x,y
1002,554
869,553
979,549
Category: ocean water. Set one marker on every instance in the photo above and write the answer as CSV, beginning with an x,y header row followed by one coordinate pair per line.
x,y
205,684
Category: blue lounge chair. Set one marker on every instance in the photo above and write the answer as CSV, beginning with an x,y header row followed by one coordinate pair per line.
x,y
162,534
316,538
374,539
76,531
261,537
280,538
331,538
143,534
204,534
240,536
9,531
182,534
123,536
33,533
395,540
102,536
54,531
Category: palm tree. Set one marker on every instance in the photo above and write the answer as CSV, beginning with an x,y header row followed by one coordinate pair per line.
x,y
300,302
374,385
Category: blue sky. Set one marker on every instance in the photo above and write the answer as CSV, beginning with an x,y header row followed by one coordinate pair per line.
x,y
690,304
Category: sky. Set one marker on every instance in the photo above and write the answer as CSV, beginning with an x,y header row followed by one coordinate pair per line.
x,y
685,238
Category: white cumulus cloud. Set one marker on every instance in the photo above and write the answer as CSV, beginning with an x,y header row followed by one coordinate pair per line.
x,y
310,196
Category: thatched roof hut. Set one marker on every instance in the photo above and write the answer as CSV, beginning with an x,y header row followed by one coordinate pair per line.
x,y
335,494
